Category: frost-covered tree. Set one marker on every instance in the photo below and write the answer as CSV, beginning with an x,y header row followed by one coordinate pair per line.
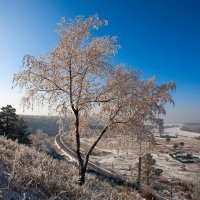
x,y
77,80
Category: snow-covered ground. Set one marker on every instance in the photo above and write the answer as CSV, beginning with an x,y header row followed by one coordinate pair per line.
x,y
121,156
175,131
173,169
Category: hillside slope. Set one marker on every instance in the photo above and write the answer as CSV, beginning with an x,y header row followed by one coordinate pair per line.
x,y
28,174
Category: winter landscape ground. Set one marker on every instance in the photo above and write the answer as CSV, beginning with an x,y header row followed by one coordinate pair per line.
x,y
176,181
36,173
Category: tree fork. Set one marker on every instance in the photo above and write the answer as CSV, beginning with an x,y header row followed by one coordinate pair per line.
x,y
83,168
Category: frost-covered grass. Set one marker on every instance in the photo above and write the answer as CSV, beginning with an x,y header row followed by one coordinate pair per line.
x,y
28,174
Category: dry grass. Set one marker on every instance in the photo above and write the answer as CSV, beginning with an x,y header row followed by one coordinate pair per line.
x,y
148,193
28,174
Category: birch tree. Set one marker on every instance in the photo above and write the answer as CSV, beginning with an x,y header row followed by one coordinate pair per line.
x,y
78,80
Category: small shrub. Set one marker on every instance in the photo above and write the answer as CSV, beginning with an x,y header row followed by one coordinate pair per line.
x,y
183,168
196,191
158,187
187,195
175,146
181,144
148,194
158,171
198,138
184,185
168,139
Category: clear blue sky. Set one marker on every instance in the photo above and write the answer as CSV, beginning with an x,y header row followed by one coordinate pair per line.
x,y
158,37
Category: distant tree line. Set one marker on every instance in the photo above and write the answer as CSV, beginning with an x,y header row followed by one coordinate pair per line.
x,y
12,126
47,124
191,127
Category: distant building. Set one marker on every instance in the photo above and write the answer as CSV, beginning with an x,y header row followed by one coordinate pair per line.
x,y
183,155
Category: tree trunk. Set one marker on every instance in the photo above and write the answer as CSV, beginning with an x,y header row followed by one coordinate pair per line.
x,y
139,173
82,171
147,176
